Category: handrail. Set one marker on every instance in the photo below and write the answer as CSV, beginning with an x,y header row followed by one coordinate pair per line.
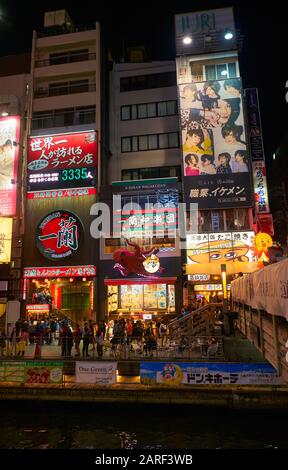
x,y
64,90
192,313
66,59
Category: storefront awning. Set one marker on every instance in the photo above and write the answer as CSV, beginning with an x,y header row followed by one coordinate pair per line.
x,y
131,282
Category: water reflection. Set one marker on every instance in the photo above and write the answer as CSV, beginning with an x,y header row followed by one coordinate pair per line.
x,y
91,426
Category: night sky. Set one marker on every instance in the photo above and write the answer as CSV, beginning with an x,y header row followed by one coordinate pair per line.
x,y
263,59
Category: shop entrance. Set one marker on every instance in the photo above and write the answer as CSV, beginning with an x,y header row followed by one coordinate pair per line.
x,y
59,297
139,300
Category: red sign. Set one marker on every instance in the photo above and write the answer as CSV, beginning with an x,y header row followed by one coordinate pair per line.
x,y
52,193
62,151
60,271
9,150
59,235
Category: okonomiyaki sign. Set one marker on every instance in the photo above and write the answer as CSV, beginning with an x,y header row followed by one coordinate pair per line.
x,y
59,235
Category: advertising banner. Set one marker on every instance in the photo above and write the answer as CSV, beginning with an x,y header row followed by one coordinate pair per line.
x,y
175,374
260,187
207,251
62,161
265,290
32,372
100,372
216,164
148,207
9,151
5,239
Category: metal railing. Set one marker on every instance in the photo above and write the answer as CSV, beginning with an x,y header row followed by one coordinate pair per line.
x,y
66,59
66,118
64,90
138,348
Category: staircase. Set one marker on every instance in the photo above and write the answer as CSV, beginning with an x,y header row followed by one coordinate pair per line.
x,y
199,322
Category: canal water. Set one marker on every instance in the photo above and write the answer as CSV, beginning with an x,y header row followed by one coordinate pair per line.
x,y
38,425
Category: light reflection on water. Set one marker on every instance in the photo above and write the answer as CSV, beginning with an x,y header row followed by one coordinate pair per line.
x,y
90,426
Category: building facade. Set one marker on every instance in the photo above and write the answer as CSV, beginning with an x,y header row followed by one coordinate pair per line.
x,y
63,170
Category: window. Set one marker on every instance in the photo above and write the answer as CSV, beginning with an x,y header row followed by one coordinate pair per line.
x,y
224,220
66,57
154,172
144,82
149,110
149,142
221,71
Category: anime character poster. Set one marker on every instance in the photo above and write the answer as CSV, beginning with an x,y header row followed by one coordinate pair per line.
x,y
213,138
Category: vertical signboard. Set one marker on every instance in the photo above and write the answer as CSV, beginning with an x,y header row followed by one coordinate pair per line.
x,y
216,163
257,152
5,239
9,150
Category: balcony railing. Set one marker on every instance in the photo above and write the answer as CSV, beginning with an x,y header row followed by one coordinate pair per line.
x,y
57,30
71,117
64,90
66,59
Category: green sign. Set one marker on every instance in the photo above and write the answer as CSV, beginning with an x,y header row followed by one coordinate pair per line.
x,y
31,372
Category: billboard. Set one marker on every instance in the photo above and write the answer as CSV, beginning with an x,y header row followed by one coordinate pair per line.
x,y
206,29
207,251
216,164
9,150
156,211
62,161
5,239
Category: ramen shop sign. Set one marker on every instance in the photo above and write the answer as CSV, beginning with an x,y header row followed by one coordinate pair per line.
x,y
59,235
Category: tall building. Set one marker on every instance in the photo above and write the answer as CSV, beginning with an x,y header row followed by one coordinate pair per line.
x,y
63,168
216,157
140,264
14,86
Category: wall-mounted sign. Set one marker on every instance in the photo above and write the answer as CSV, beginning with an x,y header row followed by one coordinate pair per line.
x,y
9,150
260,187
215,159
5,239
262,242
55,193
60,271
199,277
151,264
96,372
148,207
254,124
210,287
59,235
62,160
66,178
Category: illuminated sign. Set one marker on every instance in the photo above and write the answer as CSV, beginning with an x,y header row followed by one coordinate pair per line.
x,y
147,207
260,187
60,271
62,160
207,251
199,277
55,193
262,242
5,239
151,264
60,151
62,178
59,235
9,150
33,307
214,149
210,287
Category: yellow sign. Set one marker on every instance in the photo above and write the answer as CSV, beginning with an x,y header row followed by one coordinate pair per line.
x,y
151,264
5,239
262,242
